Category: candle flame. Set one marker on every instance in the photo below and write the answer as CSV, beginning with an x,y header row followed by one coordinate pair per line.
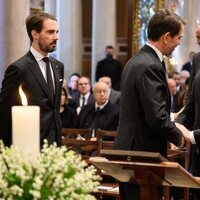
x,y
23,96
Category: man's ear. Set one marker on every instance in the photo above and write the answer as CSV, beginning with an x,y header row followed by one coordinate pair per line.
x,y
34,34
166,37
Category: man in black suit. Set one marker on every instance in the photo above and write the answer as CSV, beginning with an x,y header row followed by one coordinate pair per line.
x,y
100,114
73,85
173,94
195,61
84,96
190,116
110,67
145,123
31,72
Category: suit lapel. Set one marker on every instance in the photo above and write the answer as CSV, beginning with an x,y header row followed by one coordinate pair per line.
x,y
35,69
57,79
90,99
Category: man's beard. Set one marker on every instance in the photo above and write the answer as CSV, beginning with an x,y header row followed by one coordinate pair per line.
x,y
48,48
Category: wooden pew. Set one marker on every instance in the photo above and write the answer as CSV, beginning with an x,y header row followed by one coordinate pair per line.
x,y
105,144
84,147
88,146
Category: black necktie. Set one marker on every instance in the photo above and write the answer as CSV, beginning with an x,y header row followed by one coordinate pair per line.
x,y
98,109
83,101
163,64
49,77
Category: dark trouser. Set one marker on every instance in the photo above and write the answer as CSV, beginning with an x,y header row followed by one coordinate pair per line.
x,y
195,170
129,191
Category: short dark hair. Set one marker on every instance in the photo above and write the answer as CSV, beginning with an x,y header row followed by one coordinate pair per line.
x,y
35,22
86,77
109,47
75,74
162,22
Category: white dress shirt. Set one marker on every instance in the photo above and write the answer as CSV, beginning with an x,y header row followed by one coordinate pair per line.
x,y
192,139
86,99
42,64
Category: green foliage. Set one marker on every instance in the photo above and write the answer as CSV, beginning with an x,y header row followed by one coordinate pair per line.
x,y
55,173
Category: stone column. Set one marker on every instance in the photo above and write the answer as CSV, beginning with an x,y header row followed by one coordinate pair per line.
x,y
14,41
69,49
103,29
50,6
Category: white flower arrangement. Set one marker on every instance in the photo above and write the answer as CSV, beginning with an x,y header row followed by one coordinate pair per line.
x,y
56,174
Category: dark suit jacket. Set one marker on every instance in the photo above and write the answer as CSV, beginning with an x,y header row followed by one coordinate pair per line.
x,y
145,123
111,68
194,69
174,104
27,73
90,100
193,99
190,117
108,118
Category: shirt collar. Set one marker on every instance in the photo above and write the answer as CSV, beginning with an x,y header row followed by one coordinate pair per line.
x,y
160,56
38,56
85,95
101,106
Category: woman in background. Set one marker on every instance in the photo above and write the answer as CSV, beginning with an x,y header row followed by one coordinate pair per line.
x,y
67,114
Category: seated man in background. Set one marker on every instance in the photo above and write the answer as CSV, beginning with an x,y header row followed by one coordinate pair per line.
x,y
173,94
101,114
184,76
84,97
176,76
114,95
73,85
188,65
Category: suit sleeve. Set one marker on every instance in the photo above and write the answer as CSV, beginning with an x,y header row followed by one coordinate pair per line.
x,y
10,85
153,92
187,116
9,96
194,69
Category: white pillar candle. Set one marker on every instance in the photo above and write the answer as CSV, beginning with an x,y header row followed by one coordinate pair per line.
x,y
26,128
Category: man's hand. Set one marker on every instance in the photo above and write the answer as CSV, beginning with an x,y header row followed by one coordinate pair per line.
x,y
184,131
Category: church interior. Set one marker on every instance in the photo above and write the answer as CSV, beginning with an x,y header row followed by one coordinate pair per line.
x,y
86,27
91,31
